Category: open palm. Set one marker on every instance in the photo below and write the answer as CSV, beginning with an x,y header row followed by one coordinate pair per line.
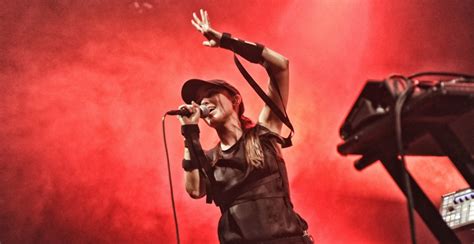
x,y
204,26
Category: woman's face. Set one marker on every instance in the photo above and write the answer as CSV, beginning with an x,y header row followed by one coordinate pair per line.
x,y
219,103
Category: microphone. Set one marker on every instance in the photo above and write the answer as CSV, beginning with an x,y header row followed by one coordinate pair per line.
x,y
187,113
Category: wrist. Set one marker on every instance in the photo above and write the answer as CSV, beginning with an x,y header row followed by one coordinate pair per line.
x,y
216,34
250,51
189,129
226,41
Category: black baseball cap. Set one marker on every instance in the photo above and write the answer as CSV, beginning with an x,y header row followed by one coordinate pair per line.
x,y
189,91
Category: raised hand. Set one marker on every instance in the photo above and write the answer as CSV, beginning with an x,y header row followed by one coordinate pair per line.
x,y
204,26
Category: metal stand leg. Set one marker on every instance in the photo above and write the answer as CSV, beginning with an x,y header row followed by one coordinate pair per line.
x,y
423,205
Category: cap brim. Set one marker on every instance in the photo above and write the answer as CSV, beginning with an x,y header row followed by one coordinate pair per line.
x,y
190,88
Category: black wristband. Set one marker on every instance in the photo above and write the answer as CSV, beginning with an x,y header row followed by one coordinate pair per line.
x,y
226,41
190,129
190,165
248,50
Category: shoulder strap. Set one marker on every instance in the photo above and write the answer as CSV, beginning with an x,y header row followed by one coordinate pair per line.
x,y
283,116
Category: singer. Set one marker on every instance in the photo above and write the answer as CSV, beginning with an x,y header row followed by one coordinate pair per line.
x,y
245,174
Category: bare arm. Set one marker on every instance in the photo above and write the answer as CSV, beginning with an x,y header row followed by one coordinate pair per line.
x,y
276,64
192,180
194,183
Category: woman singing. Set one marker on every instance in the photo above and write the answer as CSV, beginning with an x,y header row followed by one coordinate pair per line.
x,y
244,174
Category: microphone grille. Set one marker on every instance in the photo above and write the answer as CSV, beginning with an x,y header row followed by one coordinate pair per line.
x,y
204,111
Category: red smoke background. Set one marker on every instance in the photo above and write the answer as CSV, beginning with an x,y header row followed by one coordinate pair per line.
x,y
84,85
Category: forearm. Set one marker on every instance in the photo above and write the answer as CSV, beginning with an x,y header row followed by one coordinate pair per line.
x,y
276,65
194,185
251,51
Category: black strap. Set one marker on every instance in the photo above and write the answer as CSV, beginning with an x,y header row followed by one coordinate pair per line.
x,y
283,116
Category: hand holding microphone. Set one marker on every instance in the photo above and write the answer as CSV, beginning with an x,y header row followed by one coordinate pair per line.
x,y
190,114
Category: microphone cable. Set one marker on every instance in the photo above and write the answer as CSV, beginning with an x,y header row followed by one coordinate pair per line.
x,y
170,180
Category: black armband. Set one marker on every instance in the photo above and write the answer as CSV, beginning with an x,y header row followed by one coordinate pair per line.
x,y
190,165
191,142
248,50
189,130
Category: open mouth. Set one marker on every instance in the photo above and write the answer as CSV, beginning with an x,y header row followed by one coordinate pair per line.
x,y
211,109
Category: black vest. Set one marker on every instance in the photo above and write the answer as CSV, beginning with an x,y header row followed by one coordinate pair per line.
x,y
255,202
